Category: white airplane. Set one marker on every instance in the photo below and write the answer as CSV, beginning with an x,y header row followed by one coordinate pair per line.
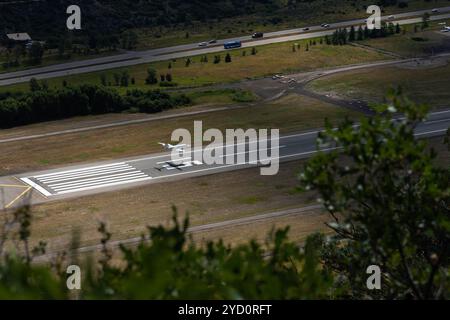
x,y
170,147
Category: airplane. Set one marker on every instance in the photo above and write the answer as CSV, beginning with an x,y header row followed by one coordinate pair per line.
x,y
169,147
171,164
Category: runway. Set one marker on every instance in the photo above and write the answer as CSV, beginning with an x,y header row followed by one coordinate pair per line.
x,y
75,181
187,50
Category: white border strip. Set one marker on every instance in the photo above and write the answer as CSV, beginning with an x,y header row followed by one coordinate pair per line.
x,y
37,187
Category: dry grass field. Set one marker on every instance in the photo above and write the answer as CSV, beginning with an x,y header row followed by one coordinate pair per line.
x,y
423,85
270,59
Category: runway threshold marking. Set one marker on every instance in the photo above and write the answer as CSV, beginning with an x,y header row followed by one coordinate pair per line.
x,y
81,179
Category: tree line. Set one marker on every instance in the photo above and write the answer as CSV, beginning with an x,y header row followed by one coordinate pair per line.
x,y
343,36
44,104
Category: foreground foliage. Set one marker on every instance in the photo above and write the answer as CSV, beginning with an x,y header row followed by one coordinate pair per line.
x,y
390,204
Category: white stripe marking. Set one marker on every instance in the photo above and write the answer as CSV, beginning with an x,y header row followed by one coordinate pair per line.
x,y
105,185
93,181
82,169
88,174
94,178
36,186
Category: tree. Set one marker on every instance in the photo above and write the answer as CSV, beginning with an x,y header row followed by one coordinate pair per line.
x,y
61,47
103,79
124,79
36,52
391,29
44,85
360,34
254,51
34,85
129,40
151,76
228,58
366,32
425,20
389,202
397,28
169,77
188,62
117,78
352,34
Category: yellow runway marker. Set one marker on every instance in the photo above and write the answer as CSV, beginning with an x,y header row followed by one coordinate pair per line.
x,y
12,186
18,197
27,189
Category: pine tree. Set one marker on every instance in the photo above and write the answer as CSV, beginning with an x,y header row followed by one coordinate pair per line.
x,y
352,35
360,34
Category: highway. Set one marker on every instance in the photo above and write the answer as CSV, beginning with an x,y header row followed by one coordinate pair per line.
x,y
75,181
182,51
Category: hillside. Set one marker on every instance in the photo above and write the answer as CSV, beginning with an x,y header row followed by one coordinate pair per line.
x,y
46,18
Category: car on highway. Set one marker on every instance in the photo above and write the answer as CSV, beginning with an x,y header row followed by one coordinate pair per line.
x,y
435,10
391,17
257,35
203,44
212,41
277,76
325,25
305,29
